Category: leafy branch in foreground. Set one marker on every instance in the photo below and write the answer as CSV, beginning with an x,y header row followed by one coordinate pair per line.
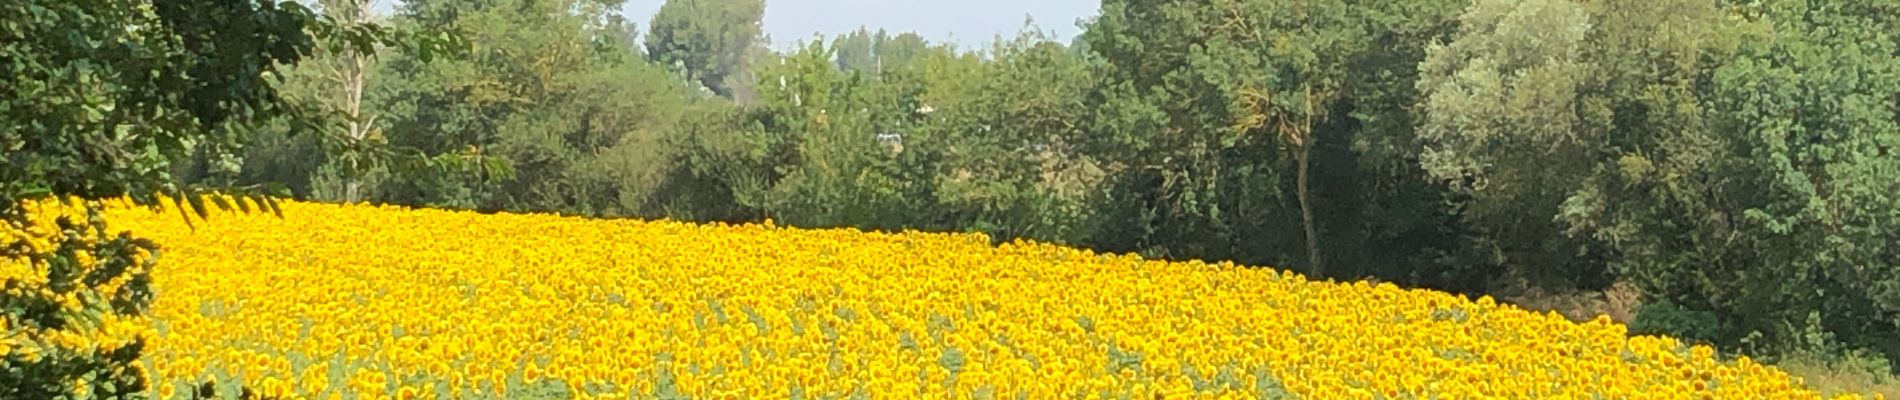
x,y
98,100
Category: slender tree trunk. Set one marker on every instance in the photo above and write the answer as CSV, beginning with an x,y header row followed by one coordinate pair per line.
x,y
1315,266
359,129
353,74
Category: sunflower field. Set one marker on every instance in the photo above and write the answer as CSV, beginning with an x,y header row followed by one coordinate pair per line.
x,y
365,302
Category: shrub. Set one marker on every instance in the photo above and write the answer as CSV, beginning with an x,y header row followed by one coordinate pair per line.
x,y
1665,317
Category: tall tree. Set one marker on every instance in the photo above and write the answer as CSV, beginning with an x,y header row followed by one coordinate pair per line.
x,y
349,70
1005,140
1210,100
870,52
1729,160
828,124
1778,224
710,41
1382,218
857,51
549,90
1500,123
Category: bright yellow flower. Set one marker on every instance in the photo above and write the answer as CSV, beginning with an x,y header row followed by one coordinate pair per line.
x,y
531,374
459,299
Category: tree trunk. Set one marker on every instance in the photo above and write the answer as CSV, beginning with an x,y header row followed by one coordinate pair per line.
x,y
354,76
358,129
1315,266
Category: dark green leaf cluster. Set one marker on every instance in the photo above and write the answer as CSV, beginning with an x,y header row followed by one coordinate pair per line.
x,y
1733,161
40,366
100,95
98,99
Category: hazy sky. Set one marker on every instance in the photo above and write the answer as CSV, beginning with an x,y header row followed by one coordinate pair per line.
x,y
967,22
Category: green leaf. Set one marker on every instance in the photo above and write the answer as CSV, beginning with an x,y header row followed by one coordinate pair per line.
x,y
35,191
274,207
221,202
197,201
425,51
180,204
277,189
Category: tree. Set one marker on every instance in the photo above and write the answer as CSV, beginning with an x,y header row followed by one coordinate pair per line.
x,y
717,164
1656,155
869,52
710,41
825,124
100,98
1003,138
932,139
1500,125
335,150
1210,100
349,69
857,51
546,92
1776,224
1731,161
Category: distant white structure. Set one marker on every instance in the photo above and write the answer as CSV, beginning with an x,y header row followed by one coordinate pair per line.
x,y
893,141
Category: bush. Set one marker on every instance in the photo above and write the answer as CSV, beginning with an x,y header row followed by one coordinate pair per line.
x,y
1665,317
71,317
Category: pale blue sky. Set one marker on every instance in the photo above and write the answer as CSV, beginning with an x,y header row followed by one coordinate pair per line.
x,y
969,23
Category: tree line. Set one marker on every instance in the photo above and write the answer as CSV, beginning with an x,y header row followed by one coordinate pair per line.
x,y
1732,160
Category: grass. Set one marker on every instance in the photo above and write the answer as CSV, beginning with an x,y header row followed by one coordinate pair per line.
x,y
1831,380
1619,302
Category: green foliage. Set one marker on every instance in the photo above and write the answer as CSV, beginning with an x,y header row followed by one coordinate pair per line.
x,y
96,108
1656,157
717,164
1665,317
1820,345
1810,107
865,52
1189,174
826,118
1722,158
541,113
59,337
102,99
917,144
1210,113
709,41
1006,147
1760,203
1871,362
1497,127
